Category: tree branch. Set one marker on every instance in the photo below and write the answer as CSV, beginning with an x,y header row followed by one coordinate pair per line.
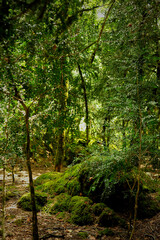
x,y
100,34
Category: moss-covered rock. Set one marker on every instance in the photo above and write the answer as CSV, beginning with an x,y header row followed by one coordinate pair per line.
x,y
147,207
25,201
108,218
59,183
46,177
98,208
61,203
11,194
81,210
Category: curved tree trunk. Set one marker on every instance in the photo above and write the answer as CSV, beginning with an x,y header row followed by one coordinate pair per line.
x,y
31,185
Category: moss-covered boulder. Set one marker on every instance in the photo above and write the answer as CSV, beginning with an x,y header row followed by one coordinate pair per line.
x,y
47,177
147,207
98,208
60,203
108,218
25,201
60,183
81,210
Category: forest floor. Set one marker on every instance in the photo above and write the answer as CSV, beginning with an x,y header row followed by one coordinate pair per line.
x,y
19,223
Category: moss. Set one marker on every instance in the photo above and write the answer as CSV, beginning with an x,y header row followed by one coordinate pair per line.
x,y
61,203
50,188
11,194
25,201
59,183
63,215
147,207
19,222
81,210
106,232
83,235
108,218
98,208
46,177
1,232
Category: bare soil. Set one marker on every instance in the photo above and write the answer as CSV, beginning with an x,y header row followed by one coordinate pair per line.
x,y
19,223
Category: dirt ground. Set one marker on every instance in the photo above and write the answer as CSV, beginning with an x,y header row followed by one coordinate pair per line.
x,y
19,224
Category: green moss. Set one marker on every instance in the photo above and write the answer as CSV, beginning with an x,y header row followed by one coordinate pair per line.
x,y
147,207
46,177
63,215
83,235
108,218
59,183
98,208
61,203
81,210
106,232
19,222
1,232
25,201
11,194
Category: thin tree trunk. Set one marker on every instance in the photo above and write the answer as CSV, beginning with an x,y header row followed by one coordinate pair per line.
x,y
35,235
86,103
63,96
32,192
104,132
3,199
140,75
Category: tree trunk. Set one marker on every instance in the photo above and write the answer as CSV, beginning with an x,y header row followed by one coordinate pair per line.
x,y
3,199
31,185
104,132
63,96
34,210
86,103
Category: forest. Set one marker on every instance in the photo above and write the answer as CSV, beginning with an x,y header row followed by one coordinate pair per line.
x,y
80,119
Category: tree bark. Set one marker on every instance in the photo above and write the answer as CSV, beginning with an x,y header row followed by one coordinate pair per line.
x,y
32,192
35,235
3,199
63,96
86,103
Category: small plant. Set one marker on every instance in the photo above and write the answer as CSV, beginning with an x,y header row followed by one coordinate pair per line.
x,y
107,232
19,222
83,235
